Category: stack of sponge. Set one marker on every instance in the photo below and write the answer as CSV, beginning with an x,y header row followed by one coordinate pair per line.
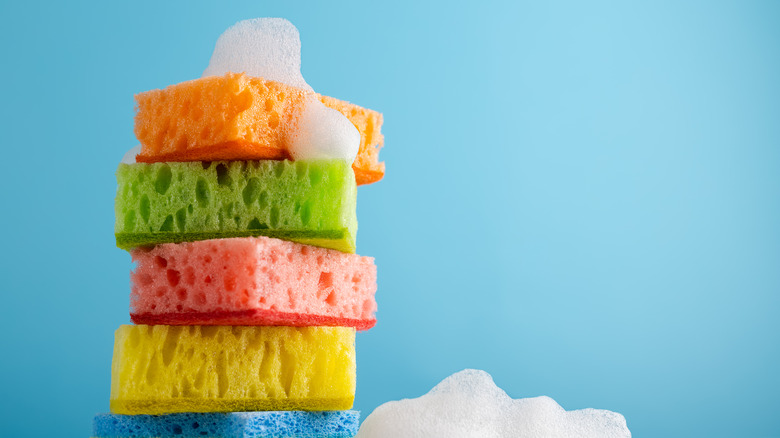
x,y
246,293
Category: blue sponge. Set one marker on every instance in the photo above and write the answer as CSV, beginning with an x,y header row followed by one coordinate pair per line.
x,y
272,424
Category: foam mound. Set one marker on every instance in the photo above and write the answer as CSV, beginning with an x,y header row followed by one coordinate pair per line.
x,y
261,47
293,424
252,281
171,369
469,404
238,117
310,202
270,48
321,133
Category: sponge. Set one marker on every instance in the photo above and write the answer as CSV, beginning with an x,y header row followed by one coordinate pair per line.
x,y
238,117
294,424
252,281
311,202
170,369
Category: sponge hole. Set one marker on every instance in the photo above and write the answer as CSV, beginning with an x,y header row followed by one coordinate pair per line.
x,y
160,262
223,176
130,221
202,192
181,219
306,213
326,281
252,191
163,179
167,224
173,277
273,120
315,175
145,208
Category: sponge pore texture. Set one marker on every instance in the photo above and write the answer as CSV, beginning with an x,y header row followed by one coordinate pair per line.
x,y
251,281
238,117
273,424
310,202
170,369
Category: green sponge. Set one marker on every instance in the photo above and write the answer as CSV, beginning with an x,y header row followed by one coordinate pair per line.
x,y
310,202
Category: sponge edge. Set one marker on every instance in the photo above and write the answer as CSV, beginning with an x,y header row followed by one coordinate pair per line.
x,y
237,117
310,202
294,424
171,369
251,281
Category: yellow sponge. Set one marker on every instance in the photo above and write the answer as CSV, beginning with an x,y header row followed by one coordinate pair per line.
x,y
168,369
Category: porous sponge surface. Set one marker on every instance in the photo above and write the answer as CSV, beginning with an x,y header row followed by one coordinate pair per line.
x,y
170,369
238,117
221,281
273,424
311,202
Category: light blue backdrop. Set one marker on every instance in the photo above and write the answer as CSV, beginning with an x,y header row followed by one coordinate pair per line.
x,y
581,199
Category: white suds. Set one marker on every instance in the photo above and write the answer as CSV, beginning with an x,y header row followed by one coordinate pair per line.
x,y
323,133
270,48
469,405
129,157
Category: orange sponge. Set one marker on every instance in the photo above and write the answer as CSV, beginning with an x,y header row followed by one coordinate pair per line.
x,y
238,117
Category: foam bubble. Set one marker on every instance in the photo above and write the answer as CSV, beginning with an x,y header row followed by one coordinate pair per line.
x,y
322,132
129,157
469,404
269,48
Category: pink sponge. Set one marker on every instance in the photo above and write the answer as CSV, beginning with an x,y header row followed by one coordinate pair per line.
x,y
252,281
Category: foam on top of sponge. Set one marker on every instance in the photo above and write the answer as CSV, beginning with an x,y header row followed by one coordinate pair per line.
x,y
469,404
322,133
129,157
271,48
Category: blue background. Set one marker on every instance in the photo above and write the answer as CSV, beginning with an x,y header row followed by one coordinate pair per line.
x,y
582,200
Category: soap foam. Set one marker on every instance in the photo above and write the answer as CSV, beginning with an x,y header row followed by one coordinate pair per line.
x,y
129,157
270,48
323,133
469,404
